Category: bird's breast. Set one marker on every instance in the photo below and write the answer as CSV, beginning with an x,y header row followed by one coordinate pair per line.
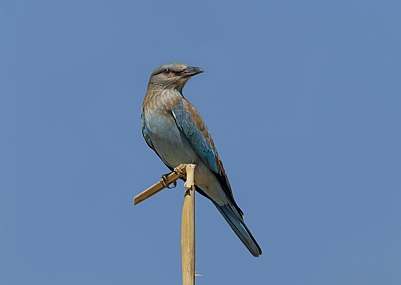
x,y
169,142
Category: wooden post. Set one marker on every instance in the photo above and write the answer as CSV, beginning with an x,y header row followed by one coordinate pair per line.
x,y
188,229
188,216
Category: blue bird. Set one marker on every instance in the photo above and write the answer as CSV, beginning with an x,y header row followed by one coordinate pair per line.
x,y
175,130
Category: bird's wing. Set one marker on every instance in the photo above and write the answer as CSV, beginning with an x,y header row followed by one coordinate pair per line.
x,y
192,125
145,131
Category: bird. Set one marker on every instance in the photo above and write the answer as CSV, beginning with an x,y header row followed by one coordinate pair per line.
x,y
176,132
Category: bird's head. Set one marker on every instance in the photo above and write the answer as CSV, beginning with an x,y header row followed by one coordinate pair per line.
x,y
173,75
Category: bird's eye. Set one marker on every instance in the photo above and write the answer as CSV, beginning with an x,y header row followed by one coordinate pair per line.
x,y
166,71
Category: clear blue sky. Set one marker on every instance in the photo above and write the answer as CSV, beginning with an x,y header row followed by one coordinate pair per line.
x,y
303,101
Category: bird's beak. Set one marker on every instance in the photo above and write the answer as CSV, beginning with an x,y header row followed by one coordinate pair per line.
x,y
191,71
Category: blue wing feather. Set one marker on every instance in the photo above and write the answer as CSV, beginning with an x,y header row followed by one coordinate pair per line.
x,y
198,141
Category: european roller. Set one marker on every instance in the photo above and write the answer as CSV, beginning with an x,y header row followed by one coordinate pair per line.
x,y
175,130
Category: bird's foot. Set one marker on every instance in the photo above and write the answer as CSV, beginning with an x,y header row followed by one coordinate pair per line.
x,y
179,172
164,180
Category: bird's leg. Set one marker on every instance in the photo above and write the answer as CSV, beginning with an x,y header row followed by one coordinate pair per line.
x,y
179,172
163,181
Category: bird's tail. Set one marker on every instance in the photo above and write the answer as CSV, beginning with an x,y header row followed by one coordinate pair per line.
x,y
238,225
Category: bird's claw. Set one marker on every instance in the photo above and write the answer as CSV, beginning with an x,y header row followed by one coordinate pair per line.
x,y
174,185
179,172
163,181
